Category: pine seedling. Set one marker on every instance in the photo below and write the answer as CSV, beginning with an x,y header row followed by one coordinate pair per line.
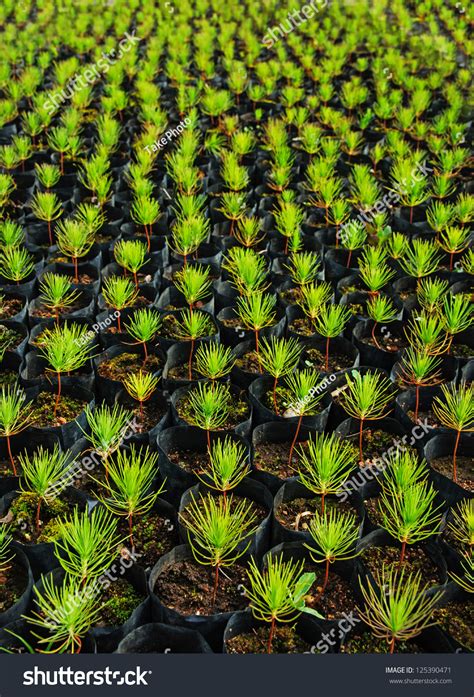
x,y
409,516
426,333
454,240
143,326
330,323
209,407
249,231
131,255
256,312
11,234
333,538
74,240
48,175
106,429
430,294
16,264
233,206
119,293
68,348
145,211
15,416
279,357
45,474
87,544
397,608
217,530
277,593
313,297
141,386
325,462
46,206
190,327
194,283
418,369
462,524
305,396
56,294
65,614
129,487
421,259
366,399
380,309
457,314
353,237
303,268
228,465
213,360
455,410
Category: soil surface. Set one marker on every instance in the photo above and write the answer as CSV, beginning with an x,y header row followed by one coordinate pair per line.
x,y
43,410
464,466
367,643
125,364
13,583
10,307
285,640
187,588
415,560
297,514
121,599
153,536
273,458
317,360
457,619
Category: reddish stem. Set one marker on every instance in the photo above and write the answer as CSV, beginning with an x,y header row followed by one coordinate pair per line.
x,y
392,645
270,637
216,583
327,354
349,259
76,272
257,351
58,396
38,513
11,456
274,396
361,456
417,402
50,234
298,426
119,326
130,529
402,553
190,367
455,471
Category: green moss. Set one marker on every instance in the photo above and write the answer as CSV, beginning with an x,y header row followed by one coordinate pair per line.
x,y
122,599
23,512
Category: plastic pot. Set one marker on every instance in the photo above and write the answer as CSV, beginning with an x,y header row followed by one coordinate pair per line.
x,y
163,638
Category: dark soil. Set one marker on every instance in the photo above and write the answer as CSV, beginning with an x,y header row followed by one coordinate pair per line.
x,y
8,377
285,402
302,326
285,640
461,351
9,307
457,619
464,466
45,312
9,339
298,513
426,417
317,360
125,364
153,536
249,363
391,343
13,584
273,458
291,295
337,597
187,588
43,410
415,560
189,460
122,599
152,413
367,643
